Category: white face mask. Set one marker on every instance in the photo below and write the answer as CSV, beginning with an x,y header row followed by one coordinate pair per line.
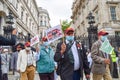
x,y
27,48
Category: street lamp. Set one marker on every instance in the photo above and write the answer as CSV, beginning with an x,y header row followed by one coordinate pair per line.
x,y
8,29
92,30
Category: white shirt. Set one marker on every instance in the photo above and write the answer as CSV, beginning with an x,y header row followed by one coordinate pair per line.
x,y
29,59
89,59
75,56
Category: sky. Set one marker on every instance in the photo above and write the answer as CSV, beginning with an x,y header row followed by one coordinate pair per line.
x,y
57,9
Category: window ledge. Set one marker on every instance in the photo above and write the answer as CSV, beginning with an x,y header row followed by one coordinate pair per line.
x,y
113,2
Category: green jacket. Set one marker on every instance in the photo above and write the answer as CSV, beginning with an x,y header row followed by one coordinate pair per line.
x,y
45,63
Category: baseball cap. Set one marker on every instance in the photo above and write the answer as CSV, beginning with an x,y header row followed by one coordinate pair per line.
x,y
5,50
70,29
102,32
44,39
27,44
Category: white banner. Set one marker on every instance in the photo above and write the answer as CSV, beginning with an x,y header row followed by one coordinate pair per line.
x,y
54,33
34,40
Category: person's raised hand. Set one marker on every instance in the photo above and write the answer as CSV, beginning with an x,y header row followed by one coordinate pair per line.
x,y
14,32
63,48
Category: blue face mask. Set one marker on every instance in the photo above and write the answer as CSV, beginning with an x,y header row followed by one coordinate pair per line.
x,y
70,38
103,38
45,43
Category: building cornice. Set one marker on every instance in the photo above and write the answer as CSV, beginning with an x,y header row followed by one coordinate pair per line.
x,y
10,6
113,2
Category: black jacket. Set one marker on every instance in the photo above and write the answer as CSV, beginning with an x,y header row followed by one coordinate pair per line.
x,y
66,67
4,41
0,69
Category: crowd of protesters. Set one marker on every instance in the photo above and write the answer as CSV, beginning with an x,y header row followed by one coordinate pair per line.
x,y
69,60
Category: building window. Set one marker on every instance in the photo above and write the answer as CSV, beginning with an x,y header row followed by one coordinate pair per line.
x,y
45,23
97,16
41,23
26,18
22,12
113,12
117,33
45,17
30,23
17,4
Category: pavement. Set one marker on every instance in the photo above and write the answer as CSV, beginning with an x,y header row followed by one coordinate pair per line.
x,y
10,77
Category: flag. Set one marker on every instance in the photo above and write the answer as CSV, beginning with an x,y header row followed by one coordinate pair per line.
x,y
106,47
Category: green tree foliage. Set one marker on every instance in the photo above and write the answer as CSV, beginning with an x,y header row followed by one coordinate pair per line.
x,y
65,24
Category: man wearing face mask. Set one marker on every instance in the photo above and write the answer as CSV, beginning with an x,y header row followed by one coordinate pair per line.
x,y
26,63
5,58
45,63
101,61
71,58
16,49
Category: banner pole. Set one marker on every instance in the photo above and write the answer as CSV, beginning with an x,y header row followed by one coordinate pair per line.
x,y
62,31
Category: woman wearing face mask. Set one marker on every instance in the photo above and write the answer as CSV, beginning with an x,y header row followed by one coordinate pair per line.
x,y
5,64
45,62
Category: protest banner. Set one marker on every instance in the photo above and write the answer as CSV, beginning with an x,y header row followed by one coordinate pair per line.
x,y
54,33
34,40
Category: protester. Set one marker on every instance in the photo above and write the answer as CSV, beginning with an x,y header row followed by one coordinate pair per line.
x,y
7,42
114,56
26,63
71,58
101,61
5,57
16,50
45,62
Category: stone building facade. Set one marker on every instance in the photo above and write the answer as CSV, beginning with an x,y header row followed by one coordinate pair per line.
x,y
106,12
44,21
26,17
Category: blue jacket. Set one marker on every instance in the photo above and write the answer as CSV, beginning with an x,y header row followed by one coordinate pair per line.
x,y
45,63
5,41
